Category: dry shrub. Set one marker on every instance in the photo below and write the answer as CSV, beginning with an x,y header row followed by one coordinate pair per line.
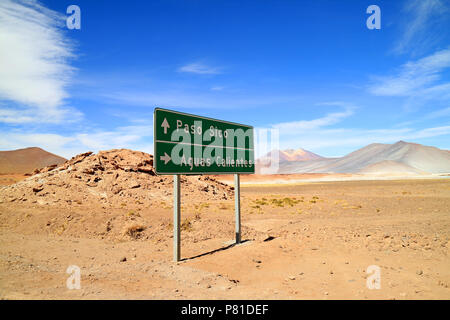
x,y
135,231
186,225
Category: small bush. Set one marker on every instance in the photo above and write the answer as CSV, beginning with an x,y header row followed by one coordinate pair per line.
x,y
133,214
186,225
135,231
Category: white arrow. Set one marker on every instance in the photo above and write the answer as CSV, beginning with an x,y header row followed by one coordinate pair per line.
x,y
166,158
165,125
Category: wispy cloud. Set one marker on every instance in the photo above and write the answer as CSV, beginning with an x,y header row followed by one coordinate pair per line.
x,y
138,137
327,134
295,127
339,141
420,82
54,143
12,116
424,23
441,113
34,62
199,68
27,115
199,99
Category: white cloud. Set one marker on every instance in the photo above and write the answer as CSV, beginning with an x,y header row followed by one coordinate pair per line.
x,y
138,137
199,68
349,139
34,67
31,115
15,116
54,143
417,79
316,135
319,136
424,23
296,127
105,140
445,112
205,99
121,137
441,91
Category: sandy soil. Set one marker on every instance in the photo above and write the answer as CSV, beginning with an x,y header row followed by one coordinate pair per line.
x,y
301,178
308,241
259,179
8,179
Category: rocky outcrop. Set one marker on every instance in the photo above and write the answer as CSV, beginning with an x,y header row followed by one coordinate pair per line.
x,y
118,177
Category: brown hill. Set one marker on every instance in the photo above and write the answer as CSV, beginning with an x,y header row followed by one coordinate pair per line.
x,y
27,160
112,178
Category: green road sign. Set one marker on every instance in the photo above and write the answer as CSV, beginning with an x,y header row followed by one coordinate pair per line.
x,y
189,144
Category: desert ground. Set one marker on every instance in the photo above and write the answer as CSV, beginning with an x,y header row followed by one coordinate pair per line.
x,y
311,240
7,179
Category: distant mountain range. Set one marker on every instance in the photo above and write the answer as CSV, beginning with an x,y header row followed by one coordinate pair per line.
x,y
398,158
291,155
27,160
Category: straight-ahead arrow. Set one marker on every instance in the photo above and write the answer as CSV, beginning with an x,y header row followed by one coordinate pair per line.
x,y
165,125
166,158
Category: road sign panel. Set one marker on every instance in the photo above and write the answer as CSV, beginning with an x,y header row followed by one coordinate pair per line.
x,y
190,144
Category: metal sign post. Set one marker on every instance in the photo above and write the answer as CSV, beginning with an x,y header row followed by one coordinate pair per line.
x,y
176,218
237,207
190,144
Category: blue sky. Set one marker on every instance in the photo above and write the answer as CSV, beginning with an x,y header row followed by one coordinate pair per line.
x,y
311,69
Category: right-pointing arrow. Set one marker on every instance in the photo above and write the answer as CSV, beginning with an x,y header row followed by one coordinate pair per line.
x,y
166,158
165,125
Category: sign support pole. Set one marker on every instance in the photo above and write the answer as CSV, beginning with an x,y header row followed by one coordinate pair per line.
x,y
176,218
237,207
